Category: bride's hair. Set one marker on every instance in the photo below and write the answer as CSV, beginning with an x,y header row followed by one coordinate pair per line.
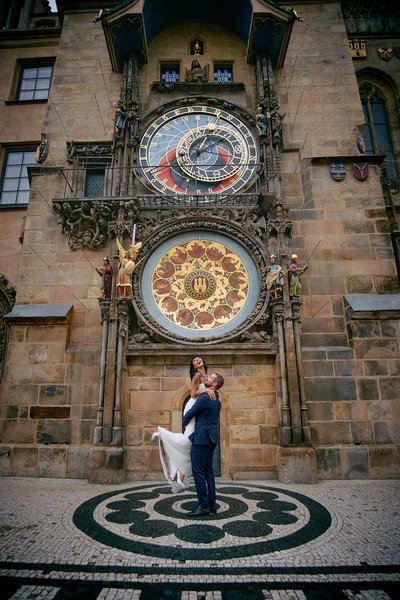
x,y
192,368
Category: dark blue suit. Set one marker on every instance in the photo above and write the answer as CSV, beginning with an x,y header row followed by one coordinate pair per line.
x,y
204,440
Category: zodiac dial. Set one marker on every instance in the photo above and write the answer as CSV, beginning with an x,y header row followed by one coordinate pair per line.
x,y
197,285
198,150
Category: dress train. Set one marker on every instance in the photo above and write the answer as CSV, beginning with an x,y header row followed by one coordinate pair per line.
x,y
174,451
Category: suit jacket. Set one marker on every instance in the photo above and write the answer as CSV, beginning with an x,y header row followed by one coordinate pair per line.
x,y
207,413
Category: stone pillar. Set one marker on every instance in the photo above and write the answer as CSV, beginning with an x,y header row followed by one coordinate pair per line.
x,y
296,461
296,303
123,328
105,319
126,134
293,381
285,425
296,465
267,99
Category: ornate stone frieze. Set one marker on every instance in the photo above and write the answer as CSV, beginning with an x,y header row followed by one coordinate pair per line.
x,y
82,151
233,108
85,223
90,223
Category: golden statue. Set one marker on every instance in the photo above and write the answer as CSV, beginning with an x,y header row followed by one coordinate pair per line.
x,y
127,264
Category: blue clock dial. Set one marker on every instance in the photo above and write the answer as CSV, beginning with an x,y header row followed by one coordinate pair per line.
x,y
198,150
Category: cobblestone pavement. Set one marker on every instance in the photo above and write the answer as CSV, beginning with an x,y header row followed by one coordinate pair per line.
x,y
68,539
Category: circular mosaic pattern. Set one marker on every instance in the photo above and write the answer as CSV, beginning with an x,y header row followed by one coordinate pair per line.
x,y
251,519
200,285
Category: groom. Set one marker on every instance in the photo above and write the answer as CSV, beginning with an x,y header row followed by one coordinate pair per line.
x,y
204,440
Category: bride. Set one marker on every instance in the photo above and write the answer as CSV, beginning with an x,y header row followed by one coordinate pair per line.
x,y
175,447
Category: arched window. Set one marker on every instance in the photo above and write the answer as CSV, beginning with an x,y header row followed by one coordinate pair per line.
x,y
376,132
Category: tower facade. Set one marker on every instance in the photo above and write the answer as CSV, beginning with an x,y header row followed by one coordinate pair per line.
x,y
218,182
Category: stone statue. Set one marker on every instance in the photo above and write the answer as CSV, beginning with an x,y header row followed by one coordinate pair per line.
x,y
276,125
261,121
127,264
274,278
196,48
133,121
106,273
196,74
119,119
294,273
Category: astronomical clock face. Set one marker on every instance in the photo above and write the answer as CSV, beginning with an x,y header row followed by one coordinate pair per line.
x,y
198,285
198,150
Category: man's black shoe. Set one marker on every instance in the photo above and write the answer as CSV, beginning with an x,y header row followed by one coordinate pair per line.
x,y
199,512
213,510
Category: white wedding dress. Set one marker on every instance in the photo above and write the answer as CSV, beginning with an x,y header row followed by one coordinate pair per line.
x,y
175,450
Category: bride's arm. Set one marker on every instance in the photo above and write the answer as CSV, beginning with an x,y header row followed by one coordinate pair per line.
x,y
194,389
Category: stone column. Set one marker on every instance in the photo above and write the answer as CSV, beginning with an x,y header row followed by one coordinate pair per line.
x,y
105,318
296,303
293,384
125,140
285,425
295,463
123,328
267,99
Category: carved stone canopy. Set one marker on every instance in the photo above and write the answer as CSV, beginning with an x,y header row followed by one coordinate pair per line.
x,y
130,27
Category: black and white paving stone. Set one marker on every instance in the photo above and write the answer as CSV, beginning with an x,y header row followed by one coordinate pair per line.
x,y
67,539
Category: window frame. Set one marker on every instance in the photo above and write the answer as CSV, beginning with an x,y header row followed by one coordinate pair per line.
x,y
371,124
6,152
171,64
22,66
222,64
96,169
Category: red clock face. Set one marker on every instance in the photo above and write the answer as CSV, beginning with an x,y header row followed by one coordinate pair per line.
x,y
198,150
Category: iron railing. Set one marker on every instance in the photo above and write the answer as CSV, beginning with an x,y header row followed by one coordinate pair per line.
x,y
103,182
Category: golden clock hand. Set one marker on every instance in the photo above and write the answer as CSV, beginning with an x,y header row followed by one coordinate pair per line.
x,y
211,127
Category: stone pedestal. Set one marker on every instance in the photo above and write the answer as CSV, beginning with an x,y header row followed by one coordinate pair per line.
x,y
107,465
296,465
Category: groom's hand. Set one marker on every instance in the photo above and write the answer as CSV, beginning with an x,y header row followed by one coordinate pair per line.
x,y
210,392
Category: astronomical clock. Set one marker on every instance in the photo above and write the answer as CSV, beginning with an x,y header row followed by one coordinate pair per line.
x,y
203,267
198,150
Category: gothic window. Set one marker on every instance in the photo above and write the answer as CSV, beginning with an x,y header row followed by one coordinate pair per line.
x,y
377,136
223,73
34,81
170,73
15,182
